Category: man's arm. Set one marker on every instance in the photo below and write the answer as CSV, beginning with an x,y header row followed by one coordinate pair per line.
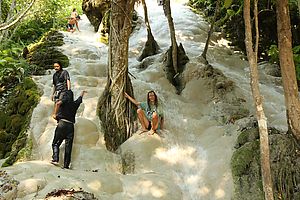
x,y
53,91
79,99
68,84
83,93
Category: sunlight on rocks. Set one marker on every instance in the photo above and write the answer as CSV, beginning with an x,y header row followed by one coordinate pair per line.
x,y
29,186
203,191
177,155
223,42
219,194
157,192
182,36
148,187
193,179
95,185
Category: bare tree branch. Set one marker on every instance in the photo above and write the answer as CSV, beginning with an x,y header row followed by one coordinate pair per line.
x,y
5,26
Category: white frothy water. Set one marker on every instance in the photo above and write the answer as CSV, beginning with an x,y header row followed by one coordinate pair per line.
x,y
189,161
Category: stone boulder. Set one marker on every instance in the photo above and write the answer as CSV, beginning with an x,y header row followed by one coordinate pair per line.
x,y
95,11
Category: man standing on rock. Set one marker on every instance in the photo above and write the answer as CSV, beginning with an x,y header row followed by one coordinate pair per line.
x,y
61,84
65,127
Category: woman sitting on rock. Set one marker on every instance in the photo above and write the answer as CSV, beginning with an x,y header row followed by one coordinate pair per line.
x,y
150,113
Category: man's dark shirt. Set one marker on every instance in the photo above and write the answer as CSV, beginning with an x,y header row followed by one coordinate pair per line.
x,y
68,109
60,80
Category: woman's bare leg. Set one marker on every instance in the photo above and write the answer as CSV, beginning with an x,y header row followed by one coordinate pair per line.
x,y
154,123
143,120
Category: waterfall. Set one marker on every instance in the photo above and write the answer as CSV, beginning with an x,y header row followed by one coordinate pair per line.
x,y
189,160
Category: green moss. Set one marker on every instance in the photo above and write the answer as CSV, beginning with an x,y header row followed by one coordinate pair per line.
x,y
3,120
242,158
248,135
25,153
43,53
245,165
15,124
128,162
284,160
6,140
17,116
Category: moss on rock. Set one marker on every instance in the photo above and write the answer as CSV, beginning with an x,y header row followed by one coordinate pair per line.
x,y
248,135
44,53
284,160
15,119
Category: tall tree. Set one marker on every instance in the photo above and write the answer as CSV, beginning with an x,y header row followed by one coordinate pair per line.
x,y
167,11
288,67
262,121
151,46
176,58
217,10
114,110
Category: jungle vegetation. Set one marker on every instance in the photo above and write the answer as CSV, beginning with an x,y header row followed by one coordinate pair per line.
x,y
22,24
230,21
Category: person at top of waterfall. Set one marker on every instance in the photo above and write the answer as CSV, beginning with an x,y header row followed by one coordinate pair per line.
x,y
65,127
150,113
74,13
61,84
72,22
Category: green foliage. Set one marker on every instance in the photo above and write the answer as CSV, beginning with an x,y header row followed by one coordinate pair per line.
x,y
231,21
227,3
296,51
19,92
273,54
43,16
13,68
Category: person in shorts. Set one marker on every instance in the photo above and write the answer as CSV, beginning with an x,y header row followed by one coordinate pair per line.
x,y
150,113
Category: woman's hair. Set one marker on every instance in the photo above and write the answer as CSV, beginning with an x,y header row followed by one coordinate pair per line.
x,y
74,9
58,62
156,100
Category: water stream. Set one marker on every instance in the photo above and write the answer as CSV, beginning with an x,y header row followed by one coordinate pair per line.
x,y
191,158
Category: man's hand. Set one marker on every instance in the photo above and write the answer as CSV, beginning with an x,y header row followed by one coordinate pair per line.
x,y
83,93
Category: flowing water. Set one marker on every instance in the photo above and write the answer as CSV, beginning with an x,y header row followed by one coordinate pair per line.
x,y
190,160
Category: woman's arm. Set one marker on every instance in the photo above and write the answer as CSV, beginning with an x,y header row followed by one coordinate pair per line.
x,y
132,99
162,123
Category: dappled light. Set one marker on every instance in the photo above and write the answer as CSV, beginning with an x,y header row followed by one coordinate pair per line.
x,y
177,155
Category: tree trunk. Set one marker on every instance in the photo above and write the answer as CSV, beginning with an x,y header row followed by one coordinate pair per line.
x,y
288,68
262,121
151,46
114,110
167,11
211,30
